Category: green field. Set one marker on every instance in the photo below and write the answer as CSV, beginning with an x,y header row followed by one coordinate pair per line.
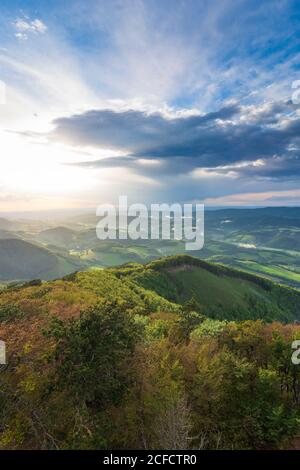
x,y
277,272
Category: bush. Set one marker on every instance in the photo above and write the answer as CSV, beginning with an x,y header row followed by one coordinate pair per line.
x,y
91,352
10,312
209,328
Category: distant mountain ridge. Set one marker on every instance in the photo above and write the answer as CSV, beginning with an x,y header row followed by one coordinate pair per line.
x,y
60,236
22,260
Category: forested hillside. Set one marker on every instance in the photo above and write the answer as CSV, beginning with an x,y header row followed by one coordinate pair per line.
x,y
221,292
134,358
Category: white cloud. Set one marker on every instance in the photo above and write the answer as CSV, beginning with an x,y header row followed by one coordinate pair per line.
x,y
24,27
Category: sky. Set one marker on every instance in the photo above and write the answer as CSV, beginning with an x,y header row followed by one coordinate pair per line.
x,y
159,100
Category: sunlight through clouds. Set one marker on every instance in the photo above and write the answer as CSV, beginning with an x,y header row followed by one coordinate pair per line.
x,y
131,95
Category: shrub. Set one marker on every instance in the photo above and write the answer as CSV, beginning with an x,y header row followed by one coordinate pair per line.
x,y
10,312
91,351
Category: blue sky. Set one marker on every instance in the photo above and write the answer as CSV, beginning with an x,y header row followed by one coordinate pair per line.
x,y
160,100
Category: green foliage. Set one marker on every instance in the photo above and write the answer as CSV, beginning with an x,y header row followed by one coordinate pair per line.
x,y
135,299
156,330
209,327
240,402
219,292
33,282
10,312
149,329
188,320
91,351
121,366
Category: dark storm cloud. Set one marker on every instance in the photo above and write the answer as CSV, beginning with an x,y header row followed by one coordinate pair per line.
x,y
179,145
133,131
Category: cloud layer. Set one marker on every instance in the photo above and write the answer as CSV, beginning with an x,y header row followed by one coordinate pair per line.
x,y
236,141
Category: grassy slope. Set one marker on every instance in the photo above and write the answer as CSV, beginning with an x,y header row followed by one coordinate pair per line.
x,y
221,292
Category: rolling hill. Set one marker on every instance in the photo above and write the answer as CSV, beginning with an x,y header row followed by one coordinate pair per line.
x,y
277,227
60,236
20,260
5,234
6,224
221,292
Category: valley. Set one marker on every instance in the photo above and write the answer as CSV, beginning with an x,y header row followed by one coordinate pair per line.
x,y
262,241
